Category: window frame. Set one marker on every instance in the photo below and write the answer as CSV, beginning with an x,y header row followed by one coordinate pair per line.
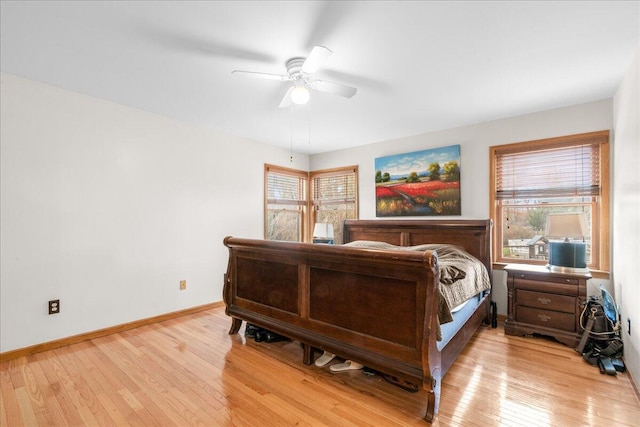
x,y
601,207
309,209
304,206
327,173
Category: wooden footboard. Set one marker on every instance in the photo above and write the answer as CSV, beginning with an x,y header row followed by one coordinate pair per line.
x,y
376,307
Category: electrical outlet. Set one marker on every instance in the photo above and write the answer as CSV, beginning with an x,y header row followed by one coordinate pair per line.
x,y
183,285
54,306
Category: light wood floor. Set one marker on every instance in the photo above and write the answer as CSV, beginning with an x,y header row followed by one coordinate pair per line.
x,y
188,371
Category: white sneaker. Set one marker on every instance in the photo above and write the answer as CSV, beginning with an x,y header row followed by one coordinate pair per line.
x,y
348,365
324,359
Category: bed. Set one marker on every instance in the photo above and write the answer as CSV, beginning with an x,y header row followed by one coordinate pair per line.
x,y
376,299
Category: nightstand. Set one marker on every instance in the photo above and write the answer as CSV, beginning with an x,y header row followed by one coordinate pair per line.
x,y
545,302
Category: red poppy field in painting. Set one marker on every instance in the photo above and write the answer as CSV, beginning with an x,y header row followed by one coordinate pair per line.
x,y
420,198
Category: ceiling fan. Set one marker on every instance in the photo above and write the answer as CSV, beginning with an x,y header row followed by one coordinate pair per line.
x,y
300,72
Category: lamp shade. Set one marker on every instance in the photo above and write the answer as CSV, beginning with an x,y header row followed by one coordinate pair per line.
x,y
567,255
323,230
571,225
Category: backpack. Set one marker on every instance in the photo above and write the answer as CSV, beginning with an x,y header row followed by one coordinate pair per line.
x,y
601,344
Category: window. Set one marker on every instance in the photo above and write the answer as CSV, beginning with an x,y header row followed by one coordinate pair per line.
x,y
530,180
288,213
335,197
285,204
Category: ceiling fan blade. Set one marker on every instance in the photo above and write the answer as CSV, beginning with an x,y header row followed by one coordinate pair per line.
x,y
279,77
286,101
316,58
334,88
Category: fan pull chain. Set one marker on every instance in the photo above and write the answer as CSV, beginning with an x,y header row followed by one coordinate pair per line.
x,y
309,122
291,133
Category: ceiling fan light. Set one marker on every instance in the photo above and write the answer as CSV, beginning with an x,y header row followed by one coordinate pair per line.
x,y
300,95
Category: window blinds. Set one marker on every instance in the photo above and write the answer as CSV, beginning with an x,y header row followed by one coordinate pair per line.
x,y
331,189
569,171
285,189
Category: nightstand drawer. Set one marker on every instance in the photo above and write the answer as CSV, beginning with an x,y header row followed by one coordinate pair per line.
x,y
552,279
546,301
546,318
548,286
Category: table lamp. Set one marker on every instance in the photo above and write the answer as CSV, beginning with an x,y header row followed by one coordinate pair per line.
x,y
323,233
566,254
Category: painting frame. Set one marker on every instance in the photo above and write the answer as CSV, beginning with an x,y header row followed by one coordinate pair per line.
x,y
419,183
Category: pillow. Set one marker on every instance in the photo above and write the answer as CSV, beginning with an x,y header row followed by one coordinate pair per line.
x,y
371,244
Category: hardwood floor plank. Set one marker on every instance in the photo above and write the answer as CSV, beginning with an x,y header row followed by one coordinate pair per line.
x,y
118,417
196,396
135,368
151,409
26,410
563,379
49,364
49,411
4,420
189,371
107,392
75,383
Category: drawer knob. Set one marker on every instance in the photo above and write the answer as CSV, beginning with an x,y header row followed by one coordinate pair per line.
x,y
567,280
544,317
544,301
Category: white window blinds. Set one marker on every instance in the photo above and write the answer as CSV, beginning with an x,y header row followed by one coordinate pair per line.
x,y
569,171
334,188
285,189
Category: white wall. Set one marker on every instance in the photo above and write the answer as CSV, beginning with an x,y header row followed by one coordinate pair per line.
x,y
474,141
626,212
107,208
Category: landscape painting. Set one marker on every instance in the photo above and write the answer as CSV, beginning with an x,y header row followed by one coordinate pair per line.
x,y
422,183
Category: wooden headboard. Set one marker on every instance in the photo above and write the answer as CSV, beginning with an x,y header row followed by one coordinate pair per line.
x,y
474,236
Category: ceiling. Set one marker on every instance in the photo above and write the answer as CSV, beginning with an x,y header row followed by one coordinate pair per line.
x,y
418,66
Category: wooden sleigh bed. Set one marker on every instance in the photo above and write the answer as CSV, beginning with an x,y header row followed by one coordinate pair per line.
x,y
375,306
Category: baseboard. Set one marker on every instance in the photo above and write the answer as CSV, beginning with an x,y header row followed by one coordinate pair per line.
x,y
38,348
634,383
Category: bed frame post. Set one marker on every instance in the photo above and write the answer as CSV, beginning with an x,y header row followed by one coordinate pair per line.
x,y
227,292
431,357
433,399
